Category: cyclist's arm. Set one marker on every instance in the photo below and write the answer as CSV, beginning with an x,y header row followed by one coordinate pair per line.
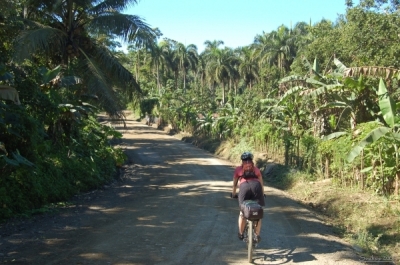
x,y
235,182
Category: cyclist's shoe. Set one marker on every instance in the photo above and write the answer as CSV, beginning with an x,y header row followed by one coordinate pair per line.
x,y
240,236
257,239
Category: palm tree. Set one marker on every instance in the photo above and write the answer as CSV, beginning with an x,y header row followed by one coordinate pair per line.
x,y
276,48
168,50
142,41
158,60
248,67
201,72
212,46
220,67
186,58
66,33
302,35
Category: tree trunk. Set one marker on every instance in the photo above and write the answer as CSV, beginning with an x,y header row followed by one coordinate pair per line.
x,y
158,80
287,150
137,66
298,153
361,173
326,167
184,82
223,94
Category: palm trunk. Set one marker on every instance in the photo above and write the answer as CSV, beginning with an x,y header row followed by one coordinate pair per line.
x,y
158,80
176,74
223,94
353,122
184,81
396,184
137,66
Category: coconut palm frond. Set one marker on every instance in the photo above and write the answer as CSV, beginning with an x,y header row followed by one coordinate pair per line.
x,y
122,25
110,65
97,84
145,38
44,39
118,5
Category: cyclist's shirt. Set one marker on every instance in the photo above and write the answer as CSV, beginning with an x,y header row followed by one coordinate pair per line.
x,y
239,172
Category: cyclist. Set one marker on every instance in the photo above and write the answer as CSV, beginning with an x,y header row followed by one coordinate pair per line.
x,y
251,187
148,120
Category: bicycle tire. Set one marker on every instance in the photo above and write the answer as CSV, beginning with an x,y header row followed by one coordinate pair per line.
x,y
250,234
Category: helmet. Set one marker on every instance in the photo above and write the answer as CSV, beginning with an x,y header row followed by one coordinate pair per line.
x,y
246,156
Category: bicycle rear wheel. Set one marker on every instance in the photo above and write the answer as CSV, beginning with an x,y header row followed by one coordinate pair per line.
x,y
250,244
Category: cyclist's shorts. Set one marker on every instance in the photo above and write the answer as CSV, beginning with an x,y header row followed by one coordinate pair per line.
x,y
251,190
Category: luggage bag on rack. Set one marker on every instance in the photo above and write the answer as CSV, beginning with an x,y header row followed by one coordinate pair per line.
x,y
252,210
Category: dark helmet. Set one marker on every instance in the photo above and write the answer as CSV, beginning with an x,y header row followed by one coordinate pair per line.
x,y
246,156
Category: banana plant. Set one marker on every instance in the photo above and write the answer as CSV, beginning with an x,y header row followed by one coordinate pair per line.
x,y
205,122
389,129
227,119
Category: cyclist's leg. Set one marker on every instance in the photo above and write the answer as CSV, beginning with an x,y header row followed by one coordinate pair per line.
x,y
244,193
258,227
241,223
257,192
259,197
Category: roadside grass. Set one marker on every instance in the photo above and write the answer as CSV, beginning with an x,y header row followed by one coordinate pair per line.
x,y
368,221
371,223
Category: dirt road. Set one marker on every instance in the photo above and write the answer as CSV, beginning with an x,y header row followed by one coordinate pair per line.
x,y
172,206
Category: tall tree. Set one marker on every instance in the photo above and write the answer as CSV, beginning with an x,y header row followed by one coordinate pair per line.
x,y
248,67
66,33
186,58
220,68
281,51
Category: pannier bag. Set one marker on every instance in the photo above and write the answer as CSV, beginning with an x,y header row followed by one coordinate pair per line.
x,y
252,210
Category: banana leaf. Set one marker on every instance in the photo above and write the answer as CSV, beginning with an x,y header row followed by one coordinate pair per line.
x,y
9,93
292,78
333,135
291,91
372,137
341,68
387,105
49,75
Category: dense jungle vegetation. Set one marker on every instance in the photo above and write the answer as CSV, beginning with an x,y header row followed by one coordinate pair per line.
x,y
321,97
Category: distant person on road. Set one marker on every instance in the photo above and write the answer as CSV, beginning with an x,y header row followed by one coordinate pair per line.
x,y
148,119
251,187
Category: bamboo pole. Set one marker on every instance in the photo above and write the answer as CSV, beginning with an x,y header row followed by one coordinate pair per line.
x,y
381,164
396,185
362,166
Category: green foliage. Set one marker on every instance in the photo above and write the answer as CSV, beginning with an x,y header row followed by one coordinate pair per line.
x,y
147,105
50,150
371,37
61,172
309,154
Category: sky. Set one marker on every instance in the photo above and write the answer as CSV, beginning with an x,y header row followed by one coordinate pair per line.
x,y
235,22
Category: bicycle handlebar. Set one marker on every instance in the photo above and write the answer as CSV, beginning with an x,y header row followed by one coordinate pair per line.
x,y
236,196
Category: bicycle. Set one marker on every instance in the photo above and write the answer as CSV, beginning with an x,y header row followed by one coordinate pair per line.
x,y
252,212
250,237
